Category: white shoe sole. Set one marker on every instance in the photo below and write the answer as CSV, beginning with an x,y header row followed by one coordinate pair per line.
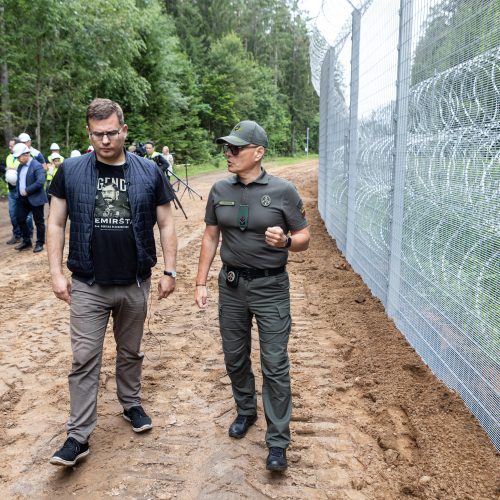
x,y
67,463
145,427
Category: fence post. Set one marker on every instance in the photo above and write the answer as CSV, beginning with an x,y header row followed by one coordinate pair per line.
x,y
323,136
353,134
400,153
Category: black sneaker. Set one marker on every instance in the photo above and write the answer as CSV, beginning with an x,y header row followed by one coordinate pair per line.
x,y
138,418
70,453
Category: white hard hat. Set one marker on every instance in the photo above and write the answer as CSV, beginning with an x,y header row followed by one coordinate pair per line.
x,y
19,149
75,153
11,176
55,156
24,137
54,146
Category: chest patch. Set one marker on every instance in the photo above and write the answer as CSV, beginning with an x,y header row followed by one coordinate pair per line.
x,y
265,201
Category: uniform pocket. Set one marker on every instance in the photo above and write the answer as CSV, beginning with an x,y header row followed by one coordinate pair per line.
x,y
283,311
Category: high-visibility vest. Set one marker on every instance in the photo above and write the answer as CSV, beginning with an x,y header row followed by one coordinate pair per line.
x,y
50,175
11,162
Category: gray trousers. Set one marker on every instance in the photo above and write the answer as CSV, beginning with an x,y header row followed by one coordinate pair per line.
x,y
89,316
268,299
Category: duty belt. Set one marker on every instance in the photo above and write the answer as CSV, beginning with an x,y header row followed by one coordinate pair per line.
x,y
250,273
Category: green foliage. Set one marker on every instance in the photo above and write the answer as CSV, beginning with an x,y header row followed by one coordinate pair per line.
x,y
454,32
237,88
184,71
274,33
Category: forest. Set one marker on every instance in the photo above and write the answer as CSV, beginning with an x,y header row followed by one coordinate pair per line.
x,y
184,71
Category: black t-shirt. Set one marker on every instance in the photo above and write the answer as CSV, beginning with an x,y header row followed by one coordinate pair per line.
x,y
114,252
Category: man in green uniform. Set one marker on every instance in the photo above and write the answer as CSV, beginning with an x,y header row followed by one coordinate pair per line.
x,y
261,218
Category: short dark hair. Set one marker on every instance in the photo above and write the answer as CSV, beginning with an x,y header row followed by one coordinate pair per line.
x,y
150,142
100,109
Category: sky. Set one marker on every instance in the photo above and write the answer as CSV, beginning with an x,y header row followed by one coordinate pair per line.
x,y
329,15
378,46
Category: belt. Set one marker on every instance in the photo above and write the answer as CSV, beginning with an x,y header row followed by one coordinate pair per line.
x,y
250,273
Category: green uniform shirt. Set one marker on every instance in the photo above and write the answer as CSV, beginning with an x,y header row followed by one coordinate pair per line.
x,y
265,202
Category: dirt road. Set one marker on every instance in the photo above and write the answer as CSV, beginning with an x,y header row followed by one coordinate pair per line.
x,y
370,420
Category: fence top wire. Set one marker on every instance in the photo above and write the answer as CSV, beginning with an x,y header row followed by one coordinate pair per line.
x,y
322,36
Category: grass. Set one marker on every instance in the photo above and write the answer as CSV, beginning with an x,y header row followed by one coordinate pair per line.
x,y
219,163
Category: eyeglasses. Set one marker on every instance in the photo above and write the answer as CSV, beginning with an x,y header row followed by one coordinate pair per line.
x,y
235,150
111,134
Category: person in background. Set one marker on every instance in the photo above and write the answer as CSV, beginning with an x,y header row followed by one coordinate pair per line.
x,y
55,161
55,149
26,139
261,218
31,196
75,153
169,157
111,260
11,179
153,155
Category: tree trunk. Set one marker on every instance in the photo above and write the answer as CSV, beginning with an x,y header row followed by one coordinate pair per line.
x,y
38,106
6,113
68,119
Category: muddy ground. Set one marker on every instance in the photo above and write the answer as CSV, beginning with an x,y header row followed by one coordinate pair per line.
x,y
370,420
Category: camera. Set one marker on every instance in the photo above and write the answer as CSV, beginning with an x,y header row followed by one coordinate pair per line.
x,y
140,149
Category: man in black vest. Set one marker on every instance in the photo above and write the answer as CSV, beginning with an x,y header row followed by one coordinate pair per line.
x,y
111,253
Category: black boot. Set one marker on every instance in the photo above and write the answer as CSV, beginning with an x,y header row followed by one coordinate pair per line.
x,y
276,460
241,424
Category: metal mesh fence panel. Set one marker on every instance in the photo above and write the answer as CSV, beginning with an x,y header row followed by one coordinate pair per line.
x,y
410,179
333,182
377,97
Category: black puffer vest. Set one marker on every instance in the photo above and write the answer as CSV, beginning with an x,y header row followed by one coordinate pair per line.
x,y
80,178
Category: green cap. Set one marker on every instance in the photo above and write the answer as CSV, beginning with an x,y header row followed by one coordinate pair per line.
x,y
246,132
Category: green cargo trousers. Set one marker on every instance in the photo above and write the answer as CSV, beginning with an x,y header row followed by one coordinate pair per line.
x,y
268,299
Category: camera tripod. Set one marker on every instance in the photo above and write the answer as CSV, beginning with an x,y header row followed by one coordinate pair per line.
x,y
177,184
177,203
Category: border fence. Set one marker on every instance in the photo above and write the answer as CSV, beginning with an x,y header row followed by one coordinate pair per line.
x,y
409,177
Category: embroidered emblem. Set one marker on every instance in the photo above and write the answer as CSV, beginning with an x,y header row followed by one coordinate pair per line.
x,y
265,201
231,276
237,127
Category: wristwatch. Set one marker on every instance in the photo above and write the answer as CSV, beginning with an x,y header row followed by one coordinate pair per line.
x,y
288,243
172,274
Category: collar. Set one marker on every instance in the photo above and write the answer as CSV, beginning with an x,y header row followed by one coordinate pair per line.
x,y
262,179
